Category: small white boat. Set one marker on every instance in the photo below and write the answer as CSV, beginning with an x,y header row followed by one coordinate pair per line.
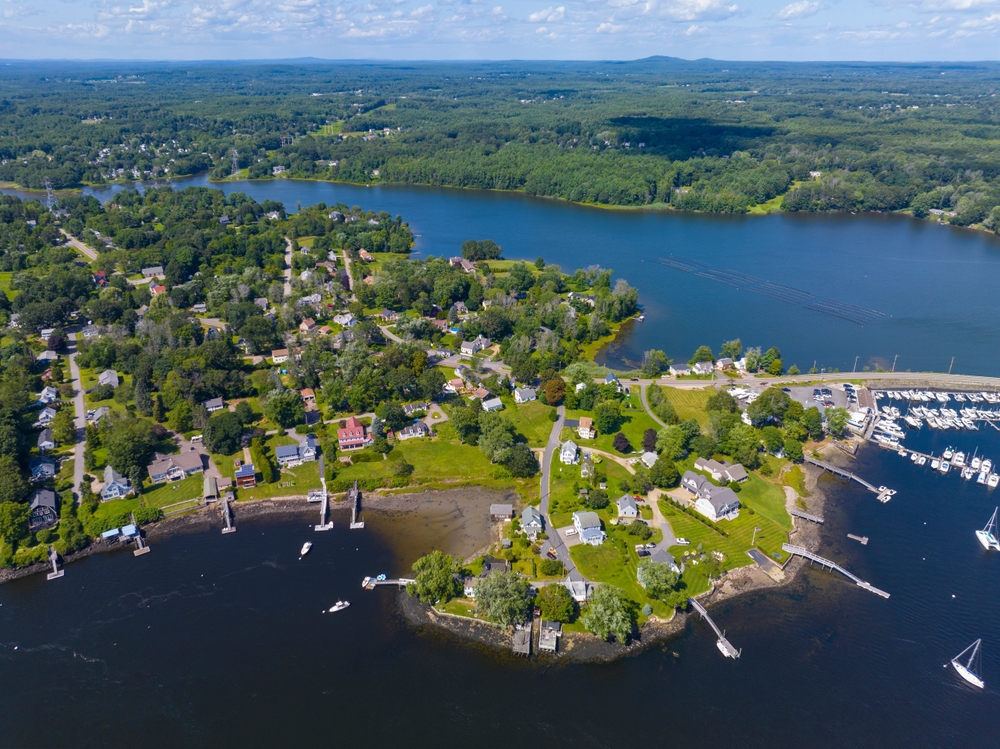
x,y
986,536
948,453
945,466
935,464
987,465
975,463
981,479
968,669
305,548
993,480
968,473
959,460
339,606
922,461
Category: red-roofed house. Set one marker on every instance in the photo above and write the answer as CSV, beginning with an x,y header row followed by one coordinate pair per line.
x,y
354,436
159,289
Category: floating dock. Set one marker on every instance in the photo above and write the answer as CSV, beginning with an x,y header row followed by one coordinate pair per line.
x,y
354,497
54,559
863,540
833,566
724,646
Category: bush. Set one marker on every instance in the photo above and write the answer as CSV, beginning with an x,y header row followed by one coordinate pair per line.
x,y
597,499
621,443
639,529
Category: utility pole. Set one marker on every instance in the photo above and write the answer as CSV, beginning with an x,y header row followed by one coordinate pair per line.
x,y
951,365
856,363
236,163
894,362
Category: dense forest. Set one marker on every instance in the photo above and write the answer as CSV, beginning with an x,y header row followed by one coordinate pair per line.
x,y
702,135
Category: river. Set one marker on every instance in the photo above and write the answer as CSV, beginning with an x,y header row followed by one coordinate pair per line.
x,y
933,284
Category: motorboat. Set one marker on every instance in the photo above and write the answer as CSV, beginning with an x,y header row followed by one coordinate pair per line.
x,y
935,464
339,606
958,460
922,461
987,465
975,463
969,669
305,549
968,473
981,479
945,466
948,453
993,480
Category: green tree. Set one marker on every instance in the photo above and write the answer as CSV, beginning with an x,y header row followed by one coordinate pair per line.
x,y
812,420
392,415
774,441
13,487
159,412
13,519
793,450
180,417
129,442
664,473
434,579
245,413
670,441
608,416
502,598
222,433
556,604
262,465
430,383
597,499
610,613
770,406
658,578
496,438
521,462
654,362
704,353
836,421
732,348
63,428
284,408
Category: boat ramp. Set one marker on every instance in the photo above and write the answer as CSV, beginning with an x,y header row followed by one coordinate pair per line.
x,y
725,647
802,552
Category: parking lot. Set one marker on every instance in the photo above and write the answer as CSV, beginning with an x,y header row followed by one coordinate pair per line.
x,y
827,396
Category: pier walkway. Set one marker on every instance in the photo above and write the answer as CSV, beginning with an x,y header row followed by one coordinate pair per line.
x,y
227,516
354,497
805,515
323,497
883,493
802,552
370,583
723,644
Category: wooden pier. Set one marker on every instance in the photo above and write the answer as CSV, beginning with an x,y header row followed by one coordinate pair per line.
x,y
227,516
354,497
802,552
370,583
54,559
725,647
141,547
884,493
805,515
863,540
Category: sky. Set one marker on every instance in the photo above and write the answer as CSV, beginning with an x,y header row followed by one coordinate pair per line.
x,y
877,30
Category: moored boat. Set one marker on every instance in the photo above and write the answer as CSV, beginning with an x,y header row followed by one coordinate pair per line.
x,y
305,549
986,535
339,606
969,669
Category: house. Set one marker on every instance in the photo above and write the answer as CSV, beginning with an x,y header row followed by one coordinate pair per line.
x,y
588,527
342,338
735,472
43,510
714,502
578,589
460,308
272,215
155,271
210,492
99,414
346,320
568,453
213,405
246,476
721,472
108,377
469,348
279,355
611,379
523,395
101,278
659,556
42,468
48,395
679,370
460,262
492,404
46,333
501,511
411,408
309,449
200,308
469,586
173,467
277,169
141,312
159,289
308,395
311,299
47,356
419,429
724,363
308,325
90,331
325,330
586,428
648,459
116,486
366,256
627,508
261,302
45,417
532,522
354,435
224,220
702,368
287,455
453,386
548,636
388,315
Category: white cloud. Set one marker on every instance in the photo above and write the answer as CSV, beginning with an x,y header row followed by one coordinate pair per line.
x,y
610,28
700,10
800,9
422,11
694,29
952,6
549,15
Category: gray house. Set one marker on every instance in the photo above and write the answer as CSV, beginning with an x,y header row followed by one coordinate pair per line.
x,y
43,510
532,521
116,486
45,440
108,377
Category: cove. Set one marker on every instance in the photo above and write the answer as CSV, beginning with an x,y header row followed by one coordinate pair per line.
x,y
934,284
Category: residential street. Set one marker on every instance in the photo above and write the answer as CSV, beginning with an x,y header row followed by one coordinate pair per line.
x,y
555,540
81,417
288,269
77,244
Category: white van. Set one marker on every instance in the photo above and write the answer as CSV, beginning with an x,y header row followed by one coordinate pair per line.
x,y
196,438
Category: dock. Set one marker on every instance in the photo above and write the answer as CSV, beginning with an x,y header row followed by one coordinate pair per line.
x,y
863,540
141,547
522,640
725,647
884,493
354,497
802,552
54,559
227,516
805,515
370,583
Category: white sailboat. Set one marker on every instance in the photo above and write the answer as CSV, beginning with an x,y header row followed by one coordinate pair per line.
x,y
968,670
986,536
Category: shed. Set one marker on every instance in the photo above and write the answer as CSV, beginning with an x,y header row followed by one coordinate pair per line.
x,y
501,511
211,493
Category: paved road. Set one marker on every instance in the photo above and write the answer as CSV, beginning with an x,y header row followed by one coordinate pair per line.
x,y
81,417
390,336
347,267
77,244
288,269
555,541
939,380
645,404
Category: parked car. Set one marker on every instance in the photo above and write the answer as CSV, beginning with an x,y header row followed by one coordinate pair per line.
x,y
571,532
643,553
682,542
551,555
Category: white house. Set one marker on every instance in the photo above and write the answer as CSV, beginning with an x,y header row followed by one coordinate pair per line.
x,y
586,428
720,472
45,417
627,508
47,356
116,486
279,355
108,377
702,368
724,363
532,522
419,429
523,395
468,348
659,556
714,502
46,333
346,320
680,370
46,441
568,453
48,395
213,405
588,527
492,404
648,459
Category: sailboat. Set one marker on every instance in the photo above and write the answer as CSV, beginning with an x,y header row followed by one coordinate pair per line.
x,y
986,537
965,670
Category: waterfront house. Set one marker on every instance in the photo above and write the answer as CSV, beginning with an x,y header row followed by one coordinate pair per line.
x,y
721,472
279,355
548,636
491,564
246,475
588,527
586,429
419,429
116,486
287,455
43,510
648,459
42,468
108,377
532,522
524,395
578,589
492,404
702,368
679,370
354,435
714,502
724,363
211,489
48,395
501,511
627,508
213,405
45,417
568,453
309,449
155,271
173,467
659,556
460,262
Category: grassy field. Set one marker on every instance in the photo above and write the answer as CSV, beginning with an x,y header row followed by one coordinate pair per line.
x,y
5,281
530,419
292,482
795,477
156,495
636,422
564,497
689,404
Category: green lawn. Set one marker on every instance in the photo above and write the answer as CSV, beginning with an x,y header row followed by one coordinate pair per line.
x,y
564,499
291,482
689,404
530,419
765,499
156,495
636,422
5,281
